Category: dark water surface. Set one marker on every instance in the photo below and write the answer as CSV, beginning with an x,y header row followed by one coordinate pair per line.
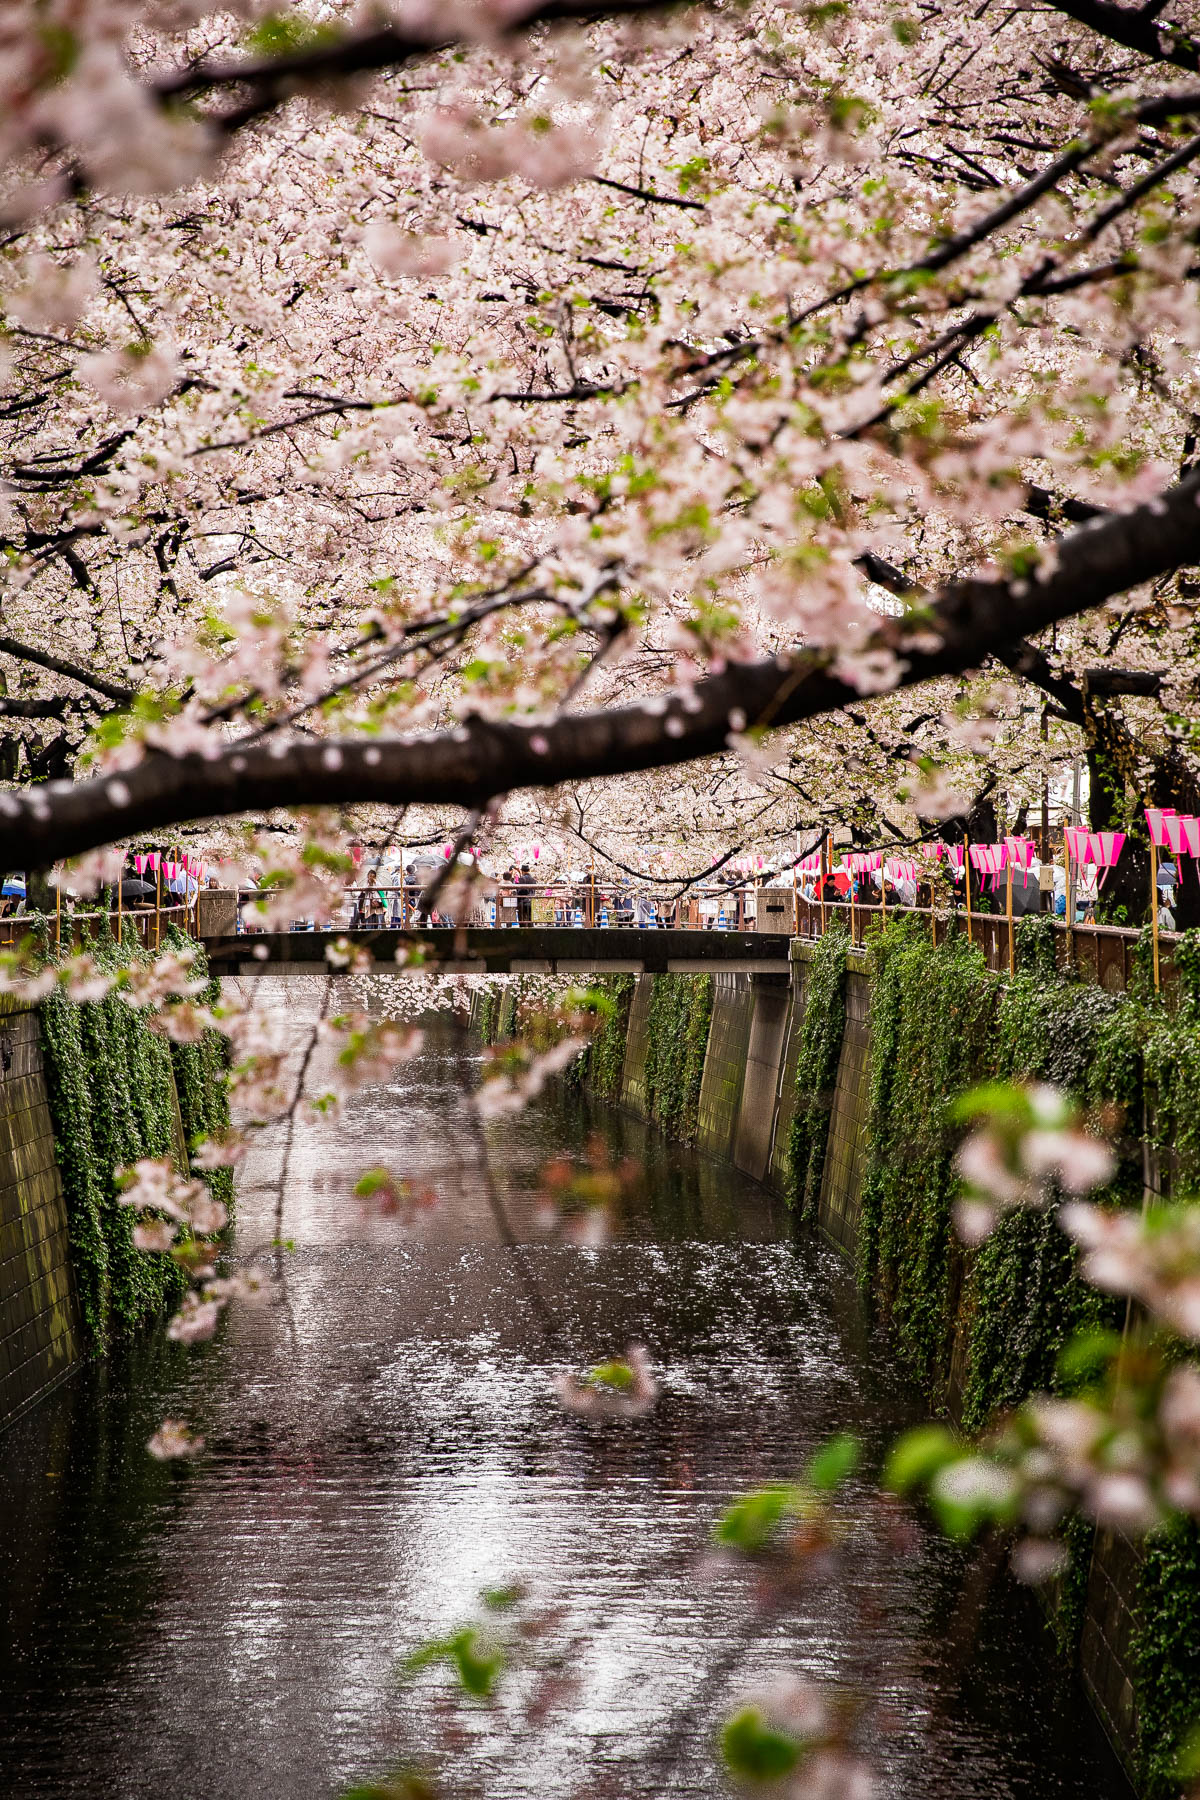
x,y
232,1628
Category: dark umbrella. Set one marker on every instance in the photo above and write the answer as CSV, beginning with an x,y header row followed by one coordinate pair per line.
x,y
134,889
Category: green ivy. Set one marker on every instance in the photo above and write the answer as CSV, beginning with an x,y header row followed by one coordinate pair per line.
x,y
1166,1651
817,1056
676,1040
932,1010
110,1081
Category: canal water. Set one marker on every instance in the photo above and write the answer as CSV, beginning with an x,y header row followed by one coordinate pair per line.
x,y
390,1444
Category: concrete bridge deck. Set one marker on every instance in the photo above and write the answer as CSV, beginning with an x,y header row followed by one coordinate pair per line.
x,y
525,950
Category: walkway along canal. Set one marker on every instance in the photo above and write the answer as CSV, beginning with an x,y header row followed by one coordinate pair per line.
x,y
233,1626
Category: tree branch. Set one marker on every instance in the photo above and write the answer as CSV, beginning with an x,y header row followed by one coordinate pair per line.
x,y
112,690
482,758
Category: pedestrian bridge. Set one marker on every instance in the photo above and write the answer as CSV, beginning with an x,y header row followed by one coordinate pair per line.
x,y
524,950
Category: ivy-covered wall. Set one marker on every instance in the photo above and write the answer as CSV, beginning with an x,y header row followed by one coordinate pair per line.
x,y
119,1091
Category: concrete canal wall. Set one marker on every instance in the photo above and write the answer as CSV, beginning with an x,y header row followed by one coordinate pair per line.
x,y
39,1316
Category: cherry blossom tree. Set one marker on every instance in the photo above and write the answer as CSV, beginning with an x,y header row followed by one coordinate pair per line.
x,y
422,411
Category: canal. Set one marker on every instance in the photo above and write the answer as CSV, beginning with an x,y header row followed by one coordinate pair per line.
x,y
390,1443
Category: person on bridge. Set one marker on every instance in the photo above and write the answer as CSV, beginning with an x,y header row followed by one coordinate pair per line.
x,y
525,895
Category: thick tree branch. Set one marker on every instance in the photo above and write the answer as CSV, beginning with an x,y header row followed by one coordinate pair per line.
x,y
101,684
482,758
1136,28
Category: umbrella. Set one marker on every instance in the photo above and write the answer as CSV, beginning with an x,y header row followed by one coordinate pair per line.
x,y
133,890
13,886
1168,874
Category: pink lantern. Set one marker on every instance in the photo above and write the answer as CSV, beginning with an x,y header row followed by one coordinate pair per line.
x,y
139,862
1183,834
1156,817
152,859
1104,848
1075,838
900,868
862,862
954,856
537,851
988,859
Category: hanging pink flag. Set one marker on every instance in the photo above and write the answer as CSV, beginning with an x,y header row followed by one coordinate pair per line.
x,y
900,868
1156,818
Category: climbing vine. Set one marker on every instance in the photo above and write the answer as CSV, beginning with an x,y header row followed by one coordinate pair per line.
x,y
676,1040
816,1070
1166,1653
603,1062
111,1087
933,1009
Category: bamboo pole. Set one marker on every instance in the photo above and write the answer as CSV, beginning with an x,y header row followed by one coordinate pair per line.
x,y
1012,955
119,921
795,904
852,940
1072,866
1154,904
57,914
157,899
592,919
967,883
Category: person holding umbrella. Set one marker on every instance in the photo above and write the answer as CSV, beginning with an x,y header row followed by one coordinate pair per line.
x,y
12,896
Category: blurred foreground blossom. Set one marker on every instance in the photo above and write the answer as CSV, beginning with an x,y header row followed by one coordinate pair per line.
x,y
174,1439
1027,1141
620,1389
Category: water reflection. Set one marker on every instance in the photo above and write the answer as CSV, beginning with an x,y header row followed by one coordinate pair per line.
x,y
232,1628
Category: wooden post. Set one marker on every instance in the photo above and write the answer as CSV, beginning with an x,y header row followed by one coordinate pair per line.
x,y
967,883
883,892
1071,867
1012,955
1154,904
58,914
119,924
852,908
795,904
157,901
821,882
592,920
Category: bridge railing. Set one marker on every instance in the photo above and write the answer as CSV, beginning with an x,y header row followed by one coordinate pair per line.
x,y
561,903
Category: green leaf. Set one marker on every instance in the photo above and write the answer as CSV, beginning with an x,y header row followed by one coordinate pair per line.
x,y
751,1521
755,1750
917,1456
478,1661
1087,1355
834,1462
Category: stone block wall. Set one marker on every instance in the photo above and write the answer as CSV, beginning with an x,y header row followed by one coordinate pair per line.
x,y
725,1064
845,1159
637,1043
39,1326
771,1007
